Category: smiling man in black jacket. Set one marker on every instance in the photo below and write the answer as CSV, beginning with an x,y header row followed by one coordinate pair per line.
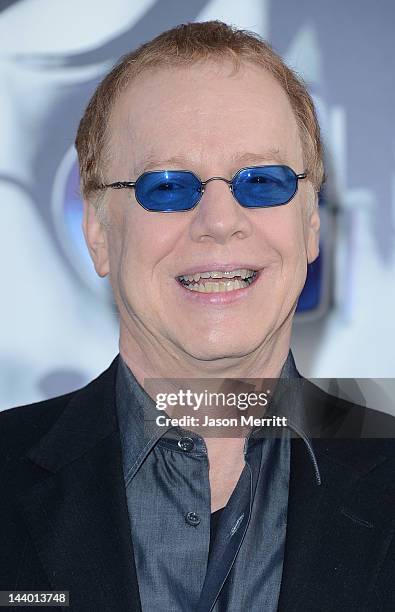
x,y
200,163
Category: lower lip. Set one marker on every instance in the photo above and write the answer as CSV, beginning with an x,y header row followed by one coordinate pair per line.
x,y
219,297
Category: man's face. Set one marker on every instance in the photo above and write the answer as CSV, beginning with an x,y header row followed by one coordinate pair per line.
x,y
203,119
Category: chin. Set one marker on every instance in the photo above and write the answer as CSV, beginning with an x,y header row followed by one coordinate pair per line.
x,y
220,349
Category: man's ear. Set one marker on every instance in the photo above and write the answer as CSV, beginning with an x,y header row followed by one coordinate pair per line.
x,y
96,239
313,233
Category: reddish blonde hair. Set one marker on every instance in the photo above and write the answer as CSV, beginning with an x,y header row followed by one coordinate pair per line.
x,y
185,45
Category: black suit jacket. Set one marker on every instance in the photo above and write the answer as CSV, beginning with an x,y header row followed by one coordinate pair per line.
x,y
64,521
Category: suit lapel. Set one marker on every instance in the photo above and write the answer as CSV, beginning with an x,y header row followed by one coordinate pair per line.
x,y
337,533
76,510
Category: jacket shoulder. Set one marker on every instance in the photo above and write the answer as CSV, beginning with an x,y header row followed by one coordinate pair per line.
x,y
22,426
329,413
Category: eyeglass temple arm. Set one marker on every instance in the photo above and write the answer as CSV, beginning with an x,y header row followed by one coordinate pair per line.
x,y
119,185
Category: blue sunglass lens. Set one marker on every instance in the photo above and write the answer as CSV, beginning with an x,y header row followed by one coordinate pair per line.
x,y
177,190
265,186
168,191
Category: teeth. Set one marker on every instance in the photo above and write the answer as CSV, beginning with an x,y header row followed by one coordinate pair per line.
x,y
210,287
242,272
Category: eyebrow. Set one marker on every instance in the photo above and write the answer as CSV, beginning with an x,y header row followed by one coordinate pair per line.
x,y
238,158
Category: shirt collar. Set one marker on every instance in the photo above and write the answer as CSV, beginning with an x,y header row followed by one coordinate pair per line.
x,y
135,410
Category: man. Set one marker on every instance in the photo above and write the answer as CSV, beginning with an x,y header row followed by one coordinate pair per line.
x,y
200,163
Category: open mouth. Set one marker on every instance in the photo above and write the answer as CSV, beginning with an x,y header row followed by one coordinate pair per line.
x,y
218,281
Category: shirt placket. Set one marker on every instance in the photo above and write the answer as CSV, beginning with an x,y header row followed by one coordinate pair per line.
x,y
231,530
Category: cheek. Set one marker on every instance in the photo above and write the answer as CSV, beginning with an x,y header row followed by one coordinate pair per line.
x,y
144,244
282,231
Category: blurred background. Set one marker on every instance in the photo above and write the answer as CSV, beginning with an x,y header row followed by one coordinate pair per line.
x,y
58,324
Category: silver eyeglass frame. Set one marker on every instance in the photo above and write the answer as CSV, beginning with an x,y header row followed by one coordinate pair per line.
x,y
132,185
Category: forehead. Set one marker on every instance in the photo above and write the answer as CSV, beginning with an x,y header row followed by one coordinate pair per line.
x,y
204,115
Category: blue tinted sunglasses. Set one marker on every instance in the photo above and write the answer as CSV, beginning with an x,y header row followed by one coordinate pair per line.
x,y
179,190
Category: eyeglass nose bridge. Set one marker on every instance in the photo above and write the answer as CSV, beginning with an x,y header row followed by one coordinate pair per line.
x,y
217,178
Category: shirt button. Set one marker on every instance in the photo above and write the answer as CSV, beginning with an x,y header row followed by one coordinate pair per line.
x,y
192,519
186,444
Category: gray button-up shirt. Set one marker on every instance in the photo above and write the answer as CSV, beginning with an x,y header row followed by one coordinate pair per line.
x,y
168,494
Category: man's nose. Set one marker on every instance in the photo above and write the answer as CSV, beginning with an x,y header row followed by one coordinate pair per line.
x,y
218,217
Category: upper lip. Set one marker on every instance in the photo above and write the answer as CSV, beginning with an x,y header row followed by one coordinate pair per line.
x,y
223,267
